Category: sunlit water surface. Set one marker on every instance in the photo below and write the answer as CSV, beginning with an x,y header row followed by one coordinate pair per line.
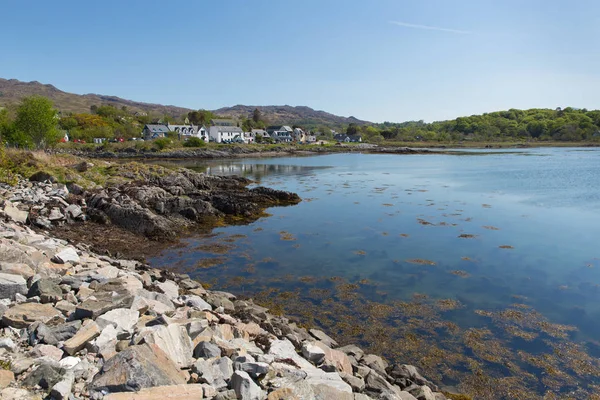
x,y
484,229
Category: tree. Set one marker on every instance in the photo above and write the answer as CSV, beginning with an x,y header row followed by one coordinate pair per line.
x,y
36,119
352,129
256,115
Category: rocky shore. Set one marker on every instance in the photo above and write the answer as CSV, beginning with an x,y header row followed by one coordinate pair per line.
x,y
236,151
77,324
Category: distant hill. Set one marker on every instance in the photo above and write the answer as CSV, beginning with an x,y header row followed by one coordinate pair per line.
x,y
300,115
13,90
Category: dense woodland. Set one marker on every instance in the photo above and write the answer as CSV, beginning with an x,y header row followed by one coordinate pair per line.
x,y
34,123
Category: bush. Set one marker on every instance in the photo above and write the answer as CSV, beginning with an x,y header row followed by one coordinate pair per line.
x,y
6,175
163,143
194,142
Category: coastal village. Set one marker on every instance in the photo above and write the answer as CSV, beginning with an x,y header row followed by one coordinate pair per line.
x,y
227,131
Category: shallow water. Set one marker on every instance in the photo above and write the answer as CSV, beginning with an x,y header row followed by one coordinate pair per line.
x,y
482,230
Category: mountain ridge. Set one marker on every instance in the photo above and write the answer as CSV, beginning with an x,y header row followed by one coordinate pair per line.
x,y
13,90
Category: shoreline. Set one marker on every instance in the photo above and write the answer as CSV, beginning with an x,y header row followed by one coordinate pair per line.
x,y
107,311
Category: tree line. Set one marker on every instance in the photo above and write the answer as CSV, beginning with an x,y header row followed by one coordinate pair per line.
x,y
35,123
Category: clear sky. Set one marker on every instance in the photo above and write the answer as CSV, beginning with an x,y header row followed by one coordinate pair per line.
x,y
380,60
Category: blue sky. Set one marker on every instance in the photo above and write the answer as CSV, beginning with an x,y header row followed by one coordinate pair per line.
x,y
380,60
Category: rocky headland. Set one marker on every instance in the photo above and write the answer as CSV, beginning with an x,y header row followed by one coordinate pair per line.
x,y
76,324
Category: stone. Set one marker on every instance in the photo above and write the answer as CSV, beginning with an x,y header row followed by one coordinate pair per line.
x,y
207,350
46,376
65,307
54,334
378,384
25,314
244,386
175,342
254,369
86,334
14,213
21,364
62,389
17,269
42,176
122,319
135,368
18,394
406,396
6,378
46,350
357,383
320,335
423,393
74,211
68,255
376,363
335,359
11,284
353,351
191,392
225,365
102,302
7,344
217,299
196,302
168,288
106,341
47,290
405,371
69,362
209,373
313,353
56,215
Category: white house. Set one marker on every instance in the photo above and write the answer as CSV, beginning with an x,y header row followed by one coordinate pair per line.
x,y
225,134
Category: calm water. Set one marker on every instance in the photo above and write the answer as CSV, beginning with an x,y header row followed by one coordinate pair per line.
x,y
430,225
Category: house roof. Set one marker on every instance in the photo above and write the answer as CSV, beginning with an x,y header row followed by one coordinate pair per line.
x,y
234,129
223,122
286,128
156,128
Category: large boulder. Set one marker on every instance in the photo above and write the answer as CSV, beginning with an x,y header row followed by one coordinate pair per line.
x,y
135,368
174,341
193,391
245,388
47,290
10,285
24,314
86,334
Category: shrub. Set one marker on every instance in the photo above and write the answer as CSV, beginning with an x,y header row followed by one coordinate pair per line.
x,y
6,174
163,143
194,142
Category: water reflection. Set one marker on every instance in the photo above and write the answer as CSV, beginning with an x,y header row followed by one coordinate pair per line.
x,y
481,270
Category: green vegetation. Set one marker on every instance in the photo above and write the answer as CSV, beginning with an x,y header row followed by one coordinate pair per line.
x,y
567,125
194,142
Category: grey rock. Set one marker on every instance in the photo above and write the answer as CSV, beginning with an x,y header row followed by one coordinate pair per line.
x,y
313,353
69,254
74,211
14,213
47,290
168,288
53,334
102,302
376,363
406,396
244,386
56,215
46,376
8,344
209,373
196,302
135,368
123,319
25,314
10,285
378,384
207,350
217,299
352,350
175,342
62,389
225,365
320,335
357,383
254,369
